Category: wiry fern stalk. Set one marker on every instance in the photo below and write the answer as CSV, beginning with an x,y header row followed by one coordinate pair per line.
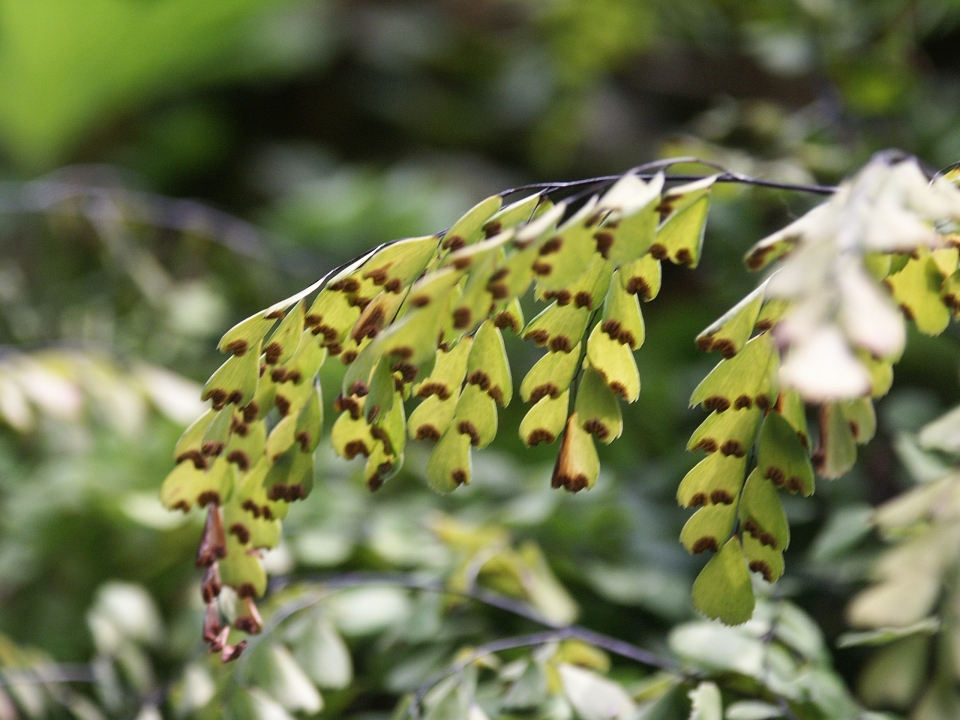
x,y
424,317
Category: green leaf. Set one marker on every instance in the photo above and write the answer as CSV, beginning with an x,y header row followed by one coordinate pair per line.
x,y
514,275
838,447
508,315
763,559
559,327
732,432
285,339
321,652
469,228
916,288
488,366
382,392
642,277
550,376
781,458
886,635
382,465
379,313
235,381
894,676
413,338
716,479
390,427
305,363
772,312
545,420
708,528
680,237
761,513
722,590
593,696
431,418
597,407
622,319
706,702
449,464
284,680
615,363
748,378
577,465
310,421
731,331
476,416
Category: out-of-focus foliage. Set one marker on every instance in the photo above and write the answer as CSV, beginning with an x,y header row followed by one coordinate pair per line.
x,y
333,126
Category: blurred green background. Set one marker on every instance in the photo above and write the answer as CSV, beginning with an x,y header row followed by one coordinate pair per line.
x,y
168,167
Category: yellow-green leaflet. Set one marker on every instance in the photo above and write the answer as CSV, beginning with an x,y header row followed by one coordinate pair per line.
x,y
351,436
449,464
559,327
629,230
331,316
256,532
716,479
508,315
762,514
434,285
187,486
281,437
246,445
306,361
310,421
780,243
513,276
283,343
731,331
432,417
763,559
390,427
235,381
242,571
544,422
838,447
708,528
382,465
621,318
401,262
722,590
566,255
516,213
706,702
862,419
790,405
380,399
615,363
881,373
550,375
475,255
488,366
218,432
413,338
448,373
190,444
597,407
642,277
916,288
680,237
589,290
781,458
578,465
732,432
540,227
375,316
771,313
469,228
246,333
476,416
748,378
950,293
